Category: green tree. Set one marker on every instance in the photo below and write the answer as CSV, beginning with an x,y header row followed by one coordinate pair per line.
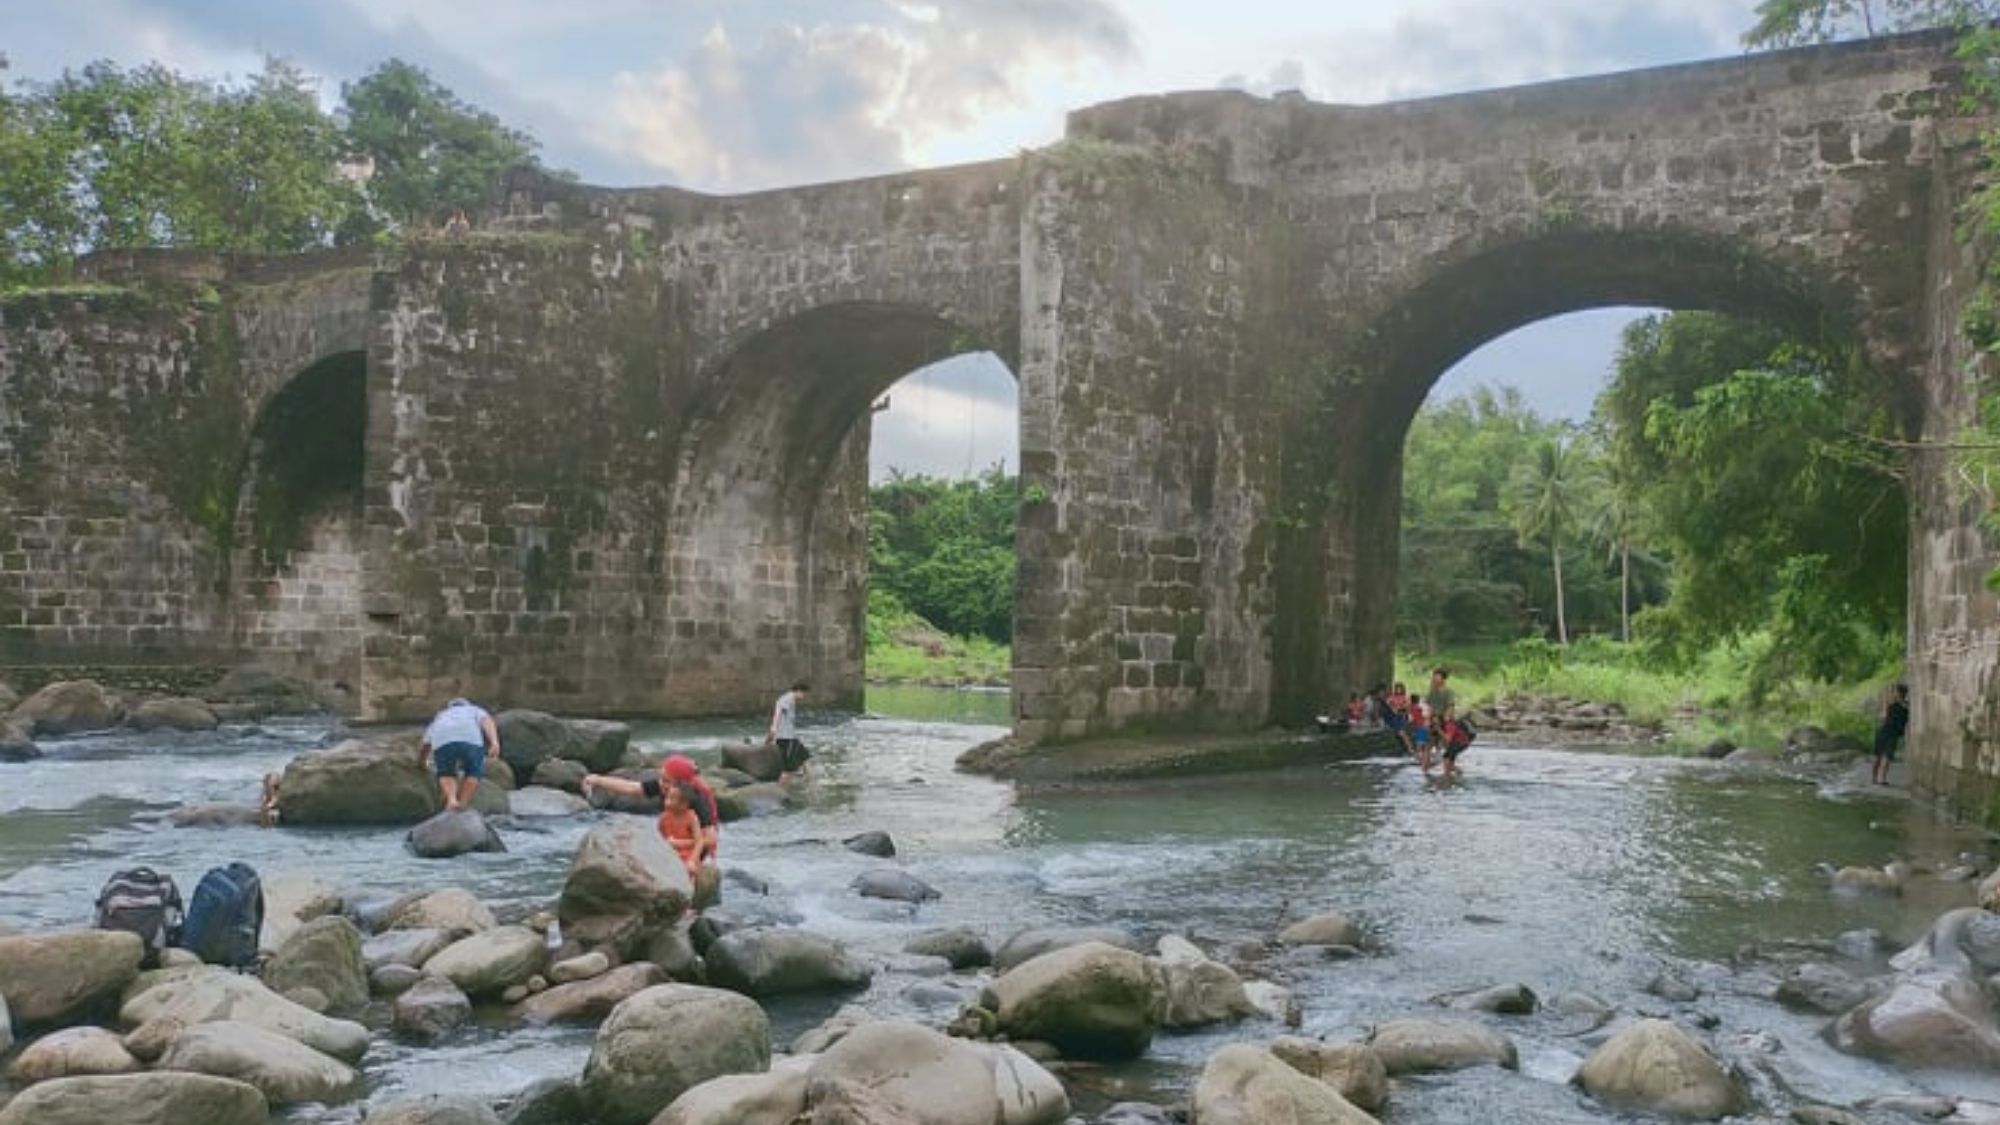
x,y
432,152
1617,521
944,549
1548,497
1791,23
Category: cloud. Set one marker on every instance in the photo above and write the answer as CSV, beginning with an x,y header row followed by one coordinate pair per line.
x,y
950,419
800,99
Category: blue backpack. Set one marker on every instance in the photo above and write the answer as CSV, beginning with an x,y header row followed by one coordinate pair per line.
x,y
225,917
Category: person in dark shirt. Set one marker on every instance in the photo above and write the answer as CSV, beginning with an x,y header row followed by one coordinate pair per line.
x,y
1895,719
678,769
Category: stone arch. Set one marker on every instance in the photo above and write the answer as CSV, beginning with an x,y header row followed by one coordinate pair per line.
x,y
767,547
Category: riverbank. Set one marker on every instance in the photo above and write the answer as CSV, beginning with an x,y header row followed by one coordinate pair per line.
x,y
1141,756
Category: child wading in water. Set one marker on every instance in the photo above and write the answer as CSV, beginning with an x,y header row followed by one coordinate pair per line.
x,y
1420,734
1396,716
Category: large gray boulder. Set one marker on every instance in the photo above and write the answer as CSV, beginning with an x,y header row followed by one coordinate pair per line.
x,y
359,782
1820,987
15,744
291,900
432,1009
69,707
1930,1019
256,692
173,714
1198,991
158,1098
921,1077
776,1097
589,1001
601,743
1091,1001
491,962
1353,1069
434,1109
529,738
771,961
454,832
452,910
624,884
1330,928
1654,1067
1966,940
210,995
72,1053
540,802
1029,944
280,1067
405,947
1248,1085
962,946
1410,1046
565,774
895,885
324,954
761,760
666,1040
59,978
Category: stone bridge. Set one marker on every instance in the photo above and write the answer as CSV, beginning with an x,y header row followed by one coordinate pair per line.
x,y
607,453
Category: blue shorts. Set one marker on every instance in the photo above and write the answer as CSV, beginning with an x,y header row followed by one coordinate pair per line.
x,y
1420,734
454,758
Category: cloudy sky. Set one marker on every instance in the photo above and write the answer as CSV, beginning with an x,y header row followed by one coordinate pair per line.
x,y
730,95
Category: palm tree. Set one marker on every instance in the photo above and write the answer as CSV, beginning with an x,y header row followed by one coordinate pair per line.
x,y
1615,523
1549,496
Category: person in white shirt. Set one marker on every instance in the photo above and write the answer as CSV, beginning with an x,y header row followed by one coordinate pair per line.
x,y
785,730
460,741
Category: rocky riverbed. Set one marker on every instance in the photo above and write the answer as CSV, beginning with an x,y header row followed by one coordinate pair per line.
x,y
1563,937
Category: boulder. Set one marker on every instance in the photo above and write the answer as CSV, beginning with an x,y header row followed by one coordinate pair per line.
x,y
832,1029
1718,749
215,814
1353,1069
1248,1085
324,954
1091,1001
15,745
158,1098
877,844
282,1068
666,1040
1501,999
1137,1113
961,946
432,1009
72,1053
1868,880
1654,1067
761,760
897,886
1410,1046
451,910
539,801
1197,990
59,978
624,884
451,833
601,744
588,1001
260,691
529,738
1926,1019
776,1097
551,1101
1966,940
393,980
565,774
579,968
290,901
921,1077
358,782
1330,928
1988,895
405,947
1029,944
212,995
1274,1002
173,714
434,1109
492,961
69,707
1820,987
771,961
674,952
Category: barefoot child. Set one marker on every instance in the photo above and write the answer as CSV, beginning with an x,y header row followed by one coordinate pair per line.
x,y
1420,734
681,828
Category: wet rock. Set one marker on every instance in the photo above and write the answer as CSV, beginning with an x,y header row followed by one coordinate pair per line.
x,y
761,760
673,951
1198,991
898,886
1412,1046
588,1001
68,707
158,1098
541,802
432,1009
1859,945
72,1053
173,714
1274,1002
1137,1113
1819,987
290,901
393,980
1030,944
280,1067
214,815
777,1097
1926,1019
1331,928
916,1076
405,947
666,1040
565,774
772,961
736,876
1966,940
1670,987
489,963
452,910
1807,740
260,692
324,954
601,744
579,968
358,782
15,743
59,978
1247,1085
529,738
306,996
1719,749
1091,1000
1501,999
1825,1115
1353,1069
832,1029
434,1109
1910,1105
963,947
624,883
453,833
877,844
1654,1067
214,994
1869,880
552,1101
751,800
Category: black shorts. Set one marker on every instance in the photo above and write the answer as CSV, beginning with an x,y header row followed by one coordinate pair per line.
x,y
1453,749
792,754
1885,744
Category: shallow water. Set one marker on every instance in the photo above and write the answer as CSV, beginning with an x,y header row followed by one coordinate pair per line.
x,y
1559,869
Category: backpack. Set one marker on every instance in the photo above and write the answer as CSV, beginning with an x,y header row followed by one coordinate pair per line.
x,y
225,917
142,901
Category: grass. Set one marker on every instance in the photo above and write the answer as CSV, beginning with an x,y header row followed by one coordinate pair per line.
x,y
903,648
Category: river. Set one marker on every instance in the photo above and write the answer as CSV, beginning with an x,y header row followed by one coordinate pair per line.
x,y
1558,868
